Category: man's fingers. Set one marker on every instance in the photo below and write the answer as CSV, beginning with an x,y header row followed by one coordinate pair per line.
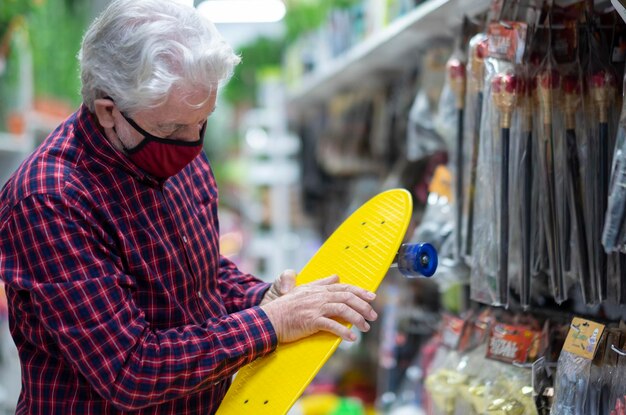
x,y
321,305
364,294
332,283
333,279
347,314
359,305
332,326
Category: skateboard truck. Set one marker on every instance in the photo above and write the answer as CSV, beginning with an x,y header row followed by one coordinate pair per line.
x,y
416,260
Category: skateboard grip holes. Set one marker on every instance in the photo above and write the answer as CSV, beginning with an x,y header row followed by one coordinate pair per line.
x,y
367,246
246,401
382,223
363,223
348,247
266,402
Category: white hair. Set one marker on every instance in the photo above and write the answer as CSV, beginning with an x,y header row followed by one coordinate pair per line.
x,y
137,51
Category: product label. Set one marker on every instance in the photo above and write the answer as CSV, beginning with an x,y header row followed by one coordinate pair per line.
x,y
452,330
583,337
510,344
507,41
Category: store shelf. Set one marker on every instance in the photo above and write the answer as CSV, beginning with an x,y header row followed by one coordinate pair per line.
x,y
389,50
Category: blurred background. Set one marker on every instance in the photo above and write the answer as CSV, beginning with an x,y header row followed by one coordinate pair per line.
x,y
335,101
290,168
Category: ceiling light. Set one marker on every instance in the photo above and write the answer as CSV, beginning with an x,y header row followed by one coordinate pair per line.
x,y
242,11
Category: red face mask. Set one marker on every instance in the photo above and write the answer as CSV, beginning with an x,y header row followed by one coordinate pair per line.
x,y
162,157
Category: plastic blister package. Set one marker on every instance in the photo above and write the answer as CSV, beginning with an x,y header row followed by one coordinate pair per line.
x,y
572,105
573,238
452,124
510,392
456,83
572,381
424,133
601,85
442,381
547,79
484,260
574,370
543,373
500,125
614,232
547,172
598,396
617,397
477,53
449,381
523,191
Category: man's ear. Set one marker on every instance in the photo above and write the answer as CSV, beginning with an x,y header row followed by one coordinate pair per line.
x,y
104,112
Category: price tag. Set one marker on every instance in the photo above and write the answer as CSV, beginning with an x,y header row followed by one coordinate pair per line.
x,y
583,337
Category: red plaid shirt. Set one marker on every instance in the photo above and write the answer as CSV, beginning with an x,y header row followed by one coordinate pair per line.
x,y
118,297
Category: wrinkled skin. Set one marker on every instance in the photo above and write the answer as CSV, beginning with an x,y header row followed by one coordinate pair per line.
x,y
297,312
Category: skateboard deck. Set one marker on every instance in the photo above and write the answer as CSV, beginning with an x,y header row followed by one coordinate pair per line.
x,y
360,251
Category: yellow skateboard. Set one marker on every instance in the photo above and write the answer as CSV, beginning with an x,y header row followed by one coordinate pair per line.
x,y
360,251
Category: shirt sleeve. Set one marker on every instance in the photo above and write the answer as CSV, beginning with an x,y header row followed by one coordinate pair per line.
x,y
239,290
71,277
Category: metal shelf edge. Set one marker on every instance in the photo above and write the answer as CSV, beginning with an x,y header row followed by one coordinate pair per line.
x,y
428,20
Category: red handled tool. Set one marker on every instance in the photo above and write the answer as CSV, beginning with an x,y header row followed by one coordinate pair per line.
x,y
504,91
457,81
478,55
548,89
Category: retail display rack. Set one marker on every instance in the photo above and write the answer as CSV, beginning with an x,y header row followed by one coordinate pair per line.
x,y
387,51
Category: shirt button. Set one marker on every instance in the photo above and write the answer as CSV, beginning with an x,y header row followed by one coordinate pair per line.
x,y
199,294
184,239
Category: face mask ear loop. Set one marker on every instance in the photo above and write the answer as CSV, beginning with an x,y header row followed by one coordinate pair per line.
x,y
124,147
133,124
139,129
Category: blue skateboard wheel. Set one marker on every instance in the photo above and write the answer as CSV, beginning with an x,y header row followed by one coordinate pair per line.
x,y
416,260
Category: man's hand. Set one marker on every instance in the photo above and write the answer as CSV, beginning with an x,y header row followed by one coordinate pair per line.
x,y
320,306
281,286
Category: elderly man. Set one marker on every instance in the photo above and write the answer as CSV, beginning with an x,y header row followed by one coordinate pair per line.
x,y
119,298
